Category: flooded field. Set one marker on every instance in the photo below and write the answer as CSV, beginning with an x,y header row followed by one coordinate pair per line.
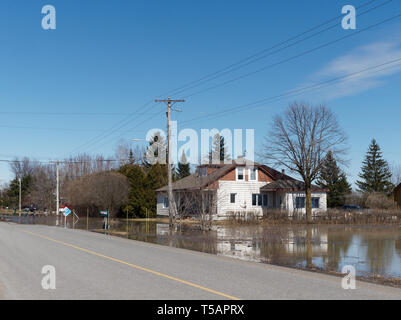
x,y
372,250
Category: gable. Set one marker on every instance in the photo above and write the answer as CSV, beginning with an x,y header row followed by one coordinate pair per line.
x,y
231,175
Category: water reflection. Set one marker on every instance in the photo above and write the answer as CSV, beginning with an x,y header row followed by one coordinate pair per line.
x,y
372,250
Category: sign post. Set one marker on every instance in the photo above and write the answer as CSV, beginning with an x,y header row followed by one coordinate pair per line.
x,y
105,214
66,212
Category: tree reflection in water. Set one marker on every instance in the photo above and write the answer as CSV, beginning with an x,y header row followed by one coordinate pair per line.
x,y
372,249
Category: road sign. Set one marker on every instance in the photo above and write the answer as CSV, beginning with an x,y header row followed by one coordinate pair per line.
x,y
104,213
67,211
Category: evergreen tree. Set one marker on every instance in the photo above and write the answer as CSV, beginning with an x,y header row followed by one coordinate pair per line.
x,y
332,178
375,175
183,169
13,190
131,159
156,178
156,151
137,194
142,196
218,151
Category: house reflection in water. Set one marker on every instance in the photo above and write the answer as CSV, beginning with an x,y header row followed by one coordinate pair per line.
x,y
244,247
372,250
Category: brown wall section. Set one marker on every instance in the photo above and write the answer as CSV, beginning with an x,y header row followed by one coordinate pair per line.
x,y
264,177
229,176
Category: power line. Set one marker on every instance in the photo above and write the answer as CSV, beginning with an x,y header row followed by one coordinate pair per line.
x,y
65,161
58,129
92,145
113,129
30,113
250,59
294,57
125,122
294,92
248,106
316,48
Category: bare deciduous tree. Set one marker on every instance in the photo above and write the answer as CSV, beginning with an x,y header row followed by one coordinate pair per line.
x,y
22,167
396,174
104,190
300,139
43,187
378,200
200,203
82,165
122,152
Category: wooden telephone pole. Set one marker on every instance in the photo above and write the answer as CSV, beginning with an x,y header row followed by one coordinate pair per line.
x,y
172,209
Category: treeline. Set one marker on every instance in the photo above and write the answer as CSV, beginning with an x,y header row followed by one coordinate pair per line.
x,y
126,183
122,184
375,185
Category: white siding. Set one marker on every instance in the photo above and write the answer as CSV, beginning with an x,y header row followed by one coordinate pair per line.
x,y
291,196
161,210
243,199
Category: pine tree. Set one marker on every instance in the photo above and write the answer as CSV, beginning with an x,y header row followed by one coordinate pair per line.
x,y
142,196
183,169
131,157
13,190
157,177
136,205
156,151
332,178
375,175
218,151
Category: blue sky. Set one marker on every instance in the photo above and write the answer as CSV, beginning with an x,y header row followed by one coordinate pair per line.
x,y
62,88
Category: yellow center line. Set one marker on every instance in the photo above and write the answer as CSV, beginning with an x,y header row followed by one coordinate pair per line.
x,y
133,266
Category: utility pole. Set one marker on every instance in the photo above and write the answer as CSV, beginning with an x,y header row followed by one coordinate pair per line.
x,y
20,197
172,210
57,190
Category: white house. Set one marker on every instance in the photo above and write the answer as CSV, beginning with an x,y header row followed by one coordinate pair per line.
x,y
240,188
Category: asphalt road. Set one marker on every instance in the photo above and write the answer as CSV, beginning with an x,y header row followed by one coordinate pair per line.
x,y
95,266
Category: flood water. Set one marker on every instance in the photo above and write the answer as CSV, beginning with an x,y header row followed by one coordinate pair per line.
x,y
372,250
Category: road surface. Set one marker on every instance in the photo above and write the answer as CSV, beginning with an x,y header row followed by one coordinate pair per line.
x,y
96,266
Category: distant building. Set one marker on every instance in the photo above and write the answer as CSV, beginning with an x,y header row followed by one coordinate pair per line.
x,y
242,188
397,195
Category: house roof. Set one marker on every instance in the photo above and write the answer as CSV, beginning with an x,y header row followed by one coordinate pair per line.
x,y
288,185
194,182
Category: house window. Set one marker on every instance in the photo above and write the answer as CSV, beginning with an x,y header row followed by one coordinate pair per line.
x,y
165,202
253,174
240,174
265,200
232,197
256,199
315,203
300,202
